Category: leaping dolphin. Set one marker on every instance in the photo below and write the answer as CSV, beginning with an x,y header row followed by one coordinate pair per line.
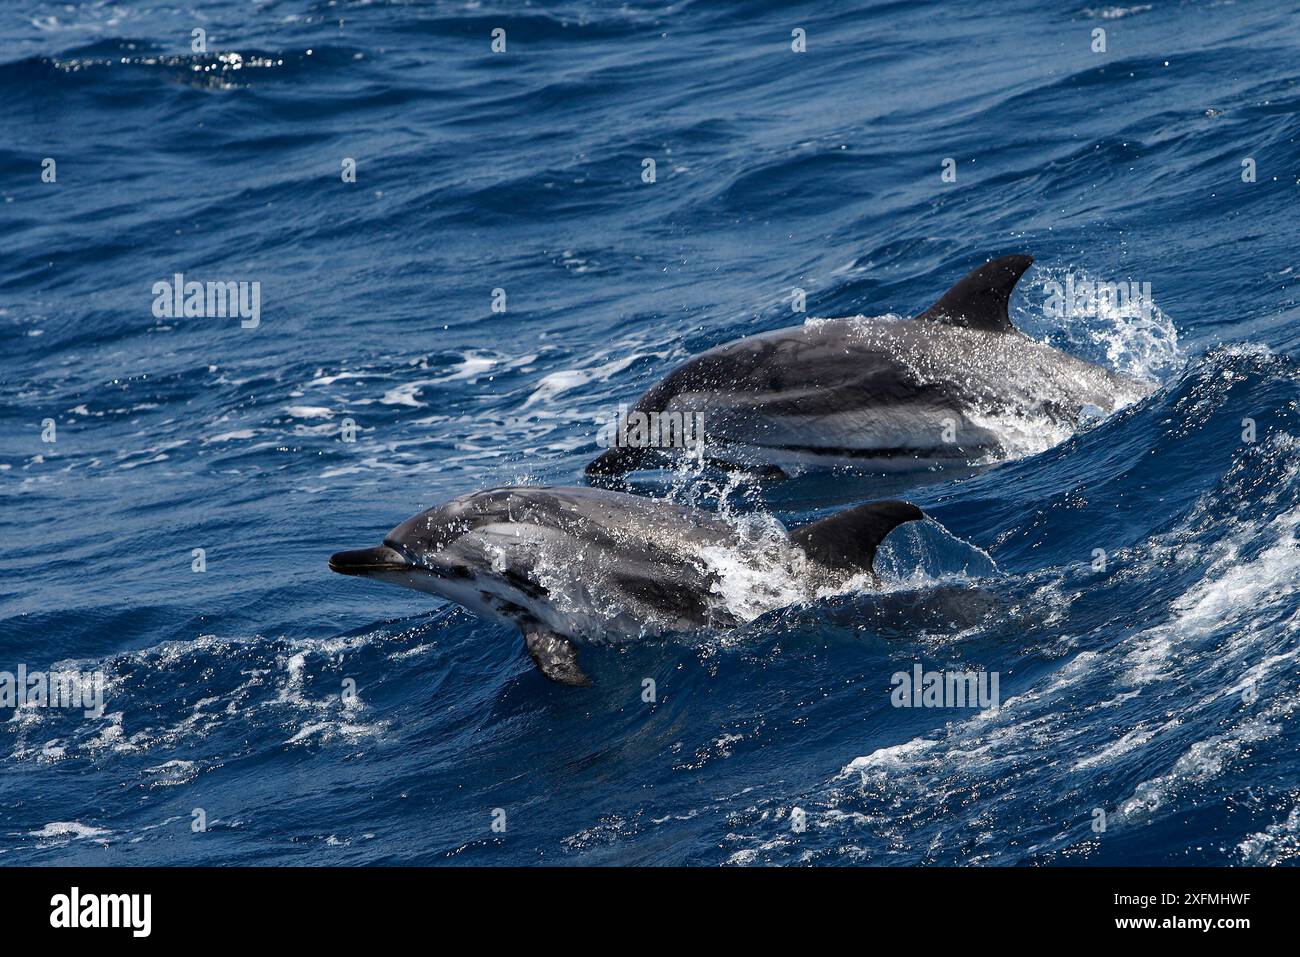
x,y
957,384
569,566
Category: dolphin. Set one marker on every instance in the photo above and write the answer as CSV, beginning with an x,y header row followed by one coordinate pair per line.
x,y
957,385
571,566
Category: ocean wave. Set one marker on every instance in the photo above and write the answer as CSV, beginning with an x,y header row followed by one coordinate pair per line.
x,y
1128,577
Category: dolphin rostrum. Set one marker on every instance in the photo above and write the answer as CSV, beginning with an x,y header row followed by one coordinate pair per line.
x,y
583,565
959,384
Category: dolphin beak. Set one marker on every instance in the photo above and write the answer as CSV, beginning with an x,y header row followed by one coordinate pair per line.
x,y
368,561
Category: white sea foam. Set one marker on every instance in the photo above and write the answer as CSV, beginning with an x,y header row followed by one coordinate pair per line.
x,y
279,687
1203,761
233,435
405,394
172,773
1231,591
70,830
1137,340
1277,844
557,383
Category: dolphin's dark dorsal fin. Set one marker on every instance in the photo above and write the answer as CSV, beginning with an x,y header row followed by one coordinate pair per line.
x,y
848,540
979,301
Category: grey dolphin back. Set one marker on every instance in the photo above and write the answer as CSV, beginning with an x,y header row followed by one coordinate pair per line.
x,y
843,388
979,300
847,541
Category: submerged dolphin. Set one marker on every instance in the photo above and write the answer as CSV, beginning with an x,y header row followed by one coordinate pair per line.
x,y
583,565
957,384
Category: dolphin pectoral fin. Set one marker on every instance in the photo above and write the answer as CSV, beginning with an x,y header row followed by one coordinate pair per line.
x,y
556,658
979,300
848,540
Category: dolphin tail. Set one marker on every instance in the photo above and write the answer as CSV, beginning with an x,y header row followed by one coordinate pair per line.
x,y
848,539
979,300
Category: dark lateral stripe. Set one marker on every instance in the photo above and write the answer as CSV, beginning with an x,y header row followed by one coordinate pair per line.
x,y
937,452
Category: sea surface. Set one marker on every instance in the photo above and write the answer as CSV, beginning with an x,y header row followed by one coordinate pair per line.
x,y
1132,583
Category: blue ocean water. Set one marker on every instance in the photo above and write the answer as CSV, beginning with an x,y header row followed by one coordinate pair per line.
x,y
1160,690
